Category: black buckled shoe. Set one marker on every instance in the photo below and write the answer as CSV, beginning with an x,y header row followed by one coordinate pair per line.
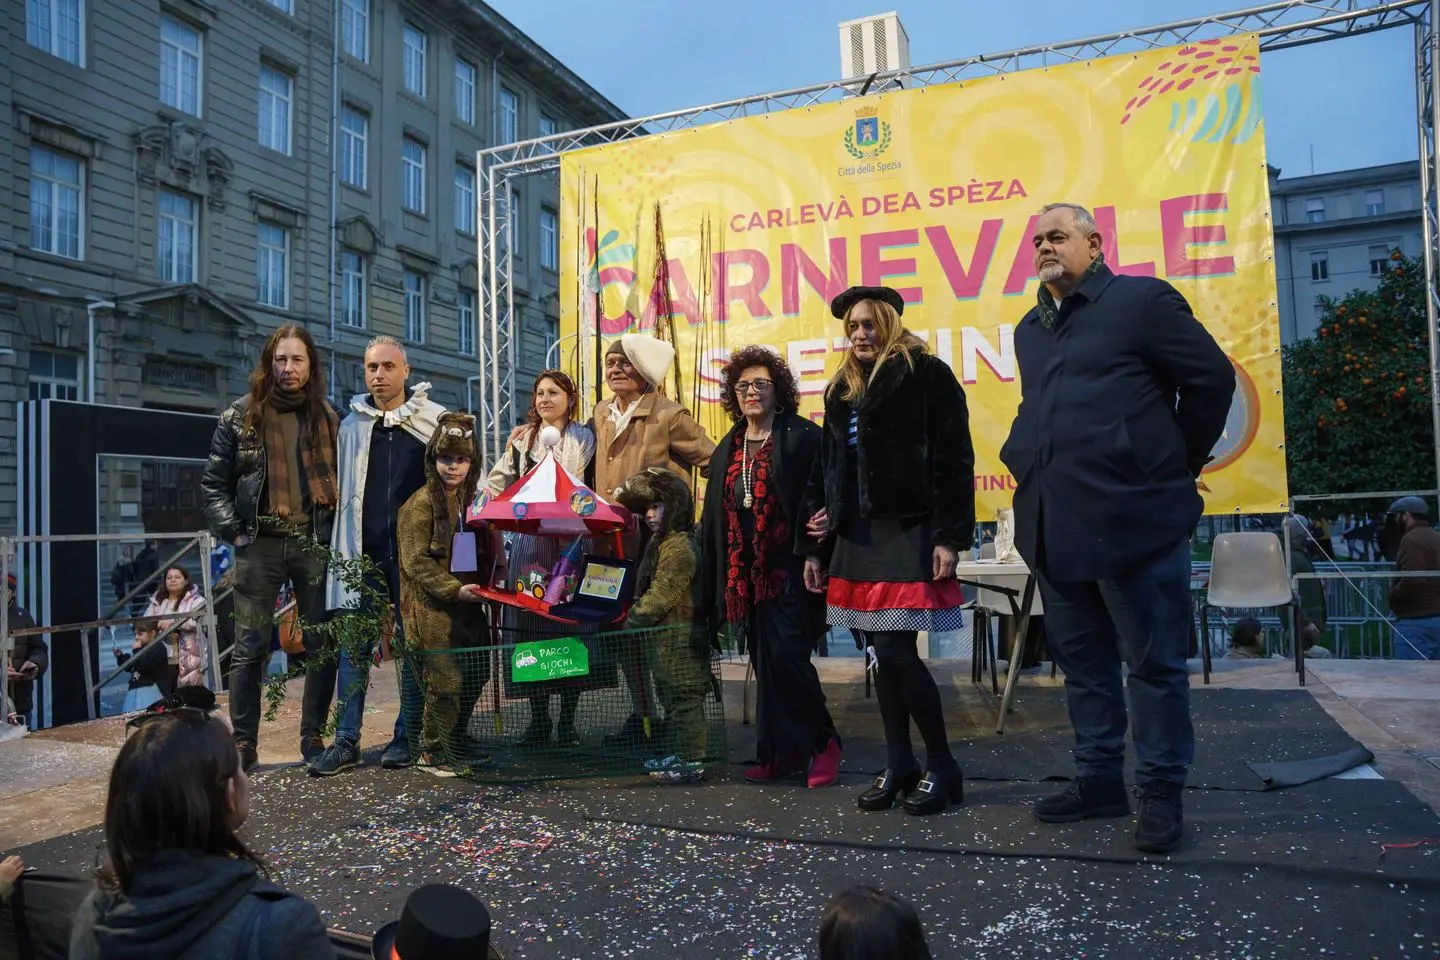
x,y
887,790
936,791
1084,798
1161,823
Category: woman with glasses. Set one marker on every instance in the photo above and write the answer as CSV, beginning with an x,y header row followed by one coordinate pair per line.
x,y
894,503
752,580
180,884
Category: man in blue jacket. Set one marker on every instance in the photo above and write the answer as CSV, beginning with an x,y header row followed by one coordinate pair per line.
x,y
1123,396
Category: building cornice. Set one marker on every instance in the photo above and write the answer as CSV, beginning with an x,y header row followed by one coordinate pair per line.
x,y
1349,223
501,37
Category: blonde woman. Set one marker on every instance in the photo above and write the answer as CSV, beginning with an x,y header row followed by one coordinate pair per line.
x,y
892,506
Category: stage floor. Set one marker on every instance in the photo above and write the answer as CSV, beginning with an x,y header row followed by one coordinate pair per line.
x,y
728,869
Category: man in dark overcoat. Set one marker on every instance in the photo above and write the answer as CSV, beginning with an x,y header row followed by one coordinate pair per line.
x,y
1124,395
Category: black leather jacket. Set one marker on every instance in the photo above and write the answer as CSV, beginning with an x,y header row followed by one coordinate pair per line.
x,y
234,480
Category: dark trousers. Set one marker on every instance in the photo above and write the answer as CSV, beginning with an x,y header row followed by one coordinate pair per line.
x,y
261,568
791,720
907,691
1143,622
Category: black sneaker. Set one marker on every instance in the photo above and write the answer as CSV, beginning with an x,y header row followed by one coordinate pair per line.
x,y
1161,823
248,757
397,756
341,756
1084,798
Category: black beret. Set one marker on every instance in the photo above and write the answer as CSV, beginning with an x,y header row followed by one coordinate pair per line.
x,y
841,305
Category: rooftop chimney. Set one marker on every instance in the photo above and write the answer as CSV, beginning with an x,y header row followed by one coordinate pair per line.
x,y
875,44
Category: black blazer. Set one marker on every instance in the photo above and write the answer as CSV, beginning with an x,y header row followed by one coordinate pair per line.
x,y
796,447
1120,407
915,457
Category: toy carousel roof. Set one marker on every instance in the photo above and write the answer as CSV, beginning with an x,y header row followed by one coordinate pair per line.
x,y
548,501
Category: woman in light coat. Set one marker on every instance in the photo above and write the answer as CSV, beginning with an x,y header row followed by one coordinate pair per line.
x,y
185,649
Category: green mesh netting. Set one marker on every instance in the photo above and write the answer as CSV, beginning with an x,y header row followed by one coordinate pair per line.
x,y
559,704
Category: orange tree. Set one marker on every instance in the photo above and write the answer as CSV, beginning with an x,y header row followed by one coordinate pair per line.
x,y
1357,393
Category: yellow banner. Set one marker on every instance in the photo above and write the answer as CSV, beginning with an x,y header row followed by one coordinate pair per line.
x,y
934,191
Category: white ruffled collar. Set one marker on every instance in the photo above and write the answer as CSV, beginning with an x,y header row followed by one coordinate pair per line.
x,y
419,396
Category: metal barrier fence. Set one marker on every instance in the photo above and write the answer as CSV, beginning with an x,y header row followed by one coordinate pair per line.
x,y
1357,602
202,541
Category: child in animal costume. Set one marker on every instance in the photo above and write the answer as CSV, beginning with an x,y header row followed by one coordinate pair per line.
x,y
665,597
442,610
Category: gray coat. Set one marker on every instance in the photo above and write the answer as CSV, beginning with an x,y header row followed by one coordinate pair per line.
x,y
186,906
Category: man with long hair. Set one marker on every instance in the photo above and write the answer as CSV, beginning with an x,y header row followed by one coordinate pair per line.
x,y
270,483
1123,395
382,462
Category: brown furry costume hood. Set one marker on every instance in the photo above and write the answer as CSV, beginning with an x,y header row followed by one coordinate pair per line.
x,y
659,485
454,437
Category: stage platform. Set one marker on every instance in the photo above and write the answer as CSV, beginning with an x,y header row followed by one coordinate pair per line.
x,y
728,869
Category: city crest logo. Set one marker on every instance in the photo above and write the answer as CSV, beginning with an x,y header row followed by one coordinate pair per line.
x,y
869,136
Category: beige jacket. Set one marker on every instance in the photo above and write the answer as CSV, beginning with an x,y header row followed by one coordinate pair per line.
x,y
661,433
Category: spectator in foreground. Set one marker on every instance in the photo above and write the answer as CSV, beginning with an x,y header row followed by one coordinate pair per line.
x,y
863,923
437,921
1415,601
10,870
180,884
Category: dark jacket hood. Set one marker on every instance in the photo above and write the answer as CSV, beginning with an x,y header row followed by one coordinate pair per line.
x,y
175,900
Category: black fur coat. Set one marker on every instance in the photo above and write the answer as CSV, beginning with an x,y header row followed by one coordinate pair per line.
x,y
915,460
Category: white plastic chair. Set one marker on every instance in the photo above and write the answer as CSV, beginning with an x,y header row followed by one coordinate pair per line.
x,y
1247,571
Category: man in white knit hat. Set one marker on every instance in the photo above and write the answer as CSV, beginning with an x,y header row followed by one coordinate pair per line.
x,y
635,429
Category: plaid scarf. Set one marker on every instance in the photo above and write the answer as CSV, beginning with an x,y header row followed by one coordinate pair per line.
x,y
1049,309
317,456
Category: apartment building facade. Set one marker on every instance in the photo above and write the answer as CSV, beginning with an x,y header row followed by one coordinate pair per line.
x,y
182,176
1334,233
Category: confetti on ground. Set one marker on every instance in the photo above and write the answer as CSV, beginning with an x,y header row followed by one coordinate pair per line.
x,y
726,869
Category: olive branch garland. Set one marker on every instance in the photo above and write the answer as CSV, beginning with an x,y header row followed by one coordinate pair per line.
x,y
354,631
859,154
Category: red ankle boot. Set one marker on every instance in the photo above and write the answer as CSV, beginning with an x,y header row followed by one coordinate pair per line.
x,y
825,768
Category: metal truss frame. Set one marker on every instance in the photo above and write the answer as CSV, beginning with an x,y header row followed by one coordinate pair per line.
x,y
1280,25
